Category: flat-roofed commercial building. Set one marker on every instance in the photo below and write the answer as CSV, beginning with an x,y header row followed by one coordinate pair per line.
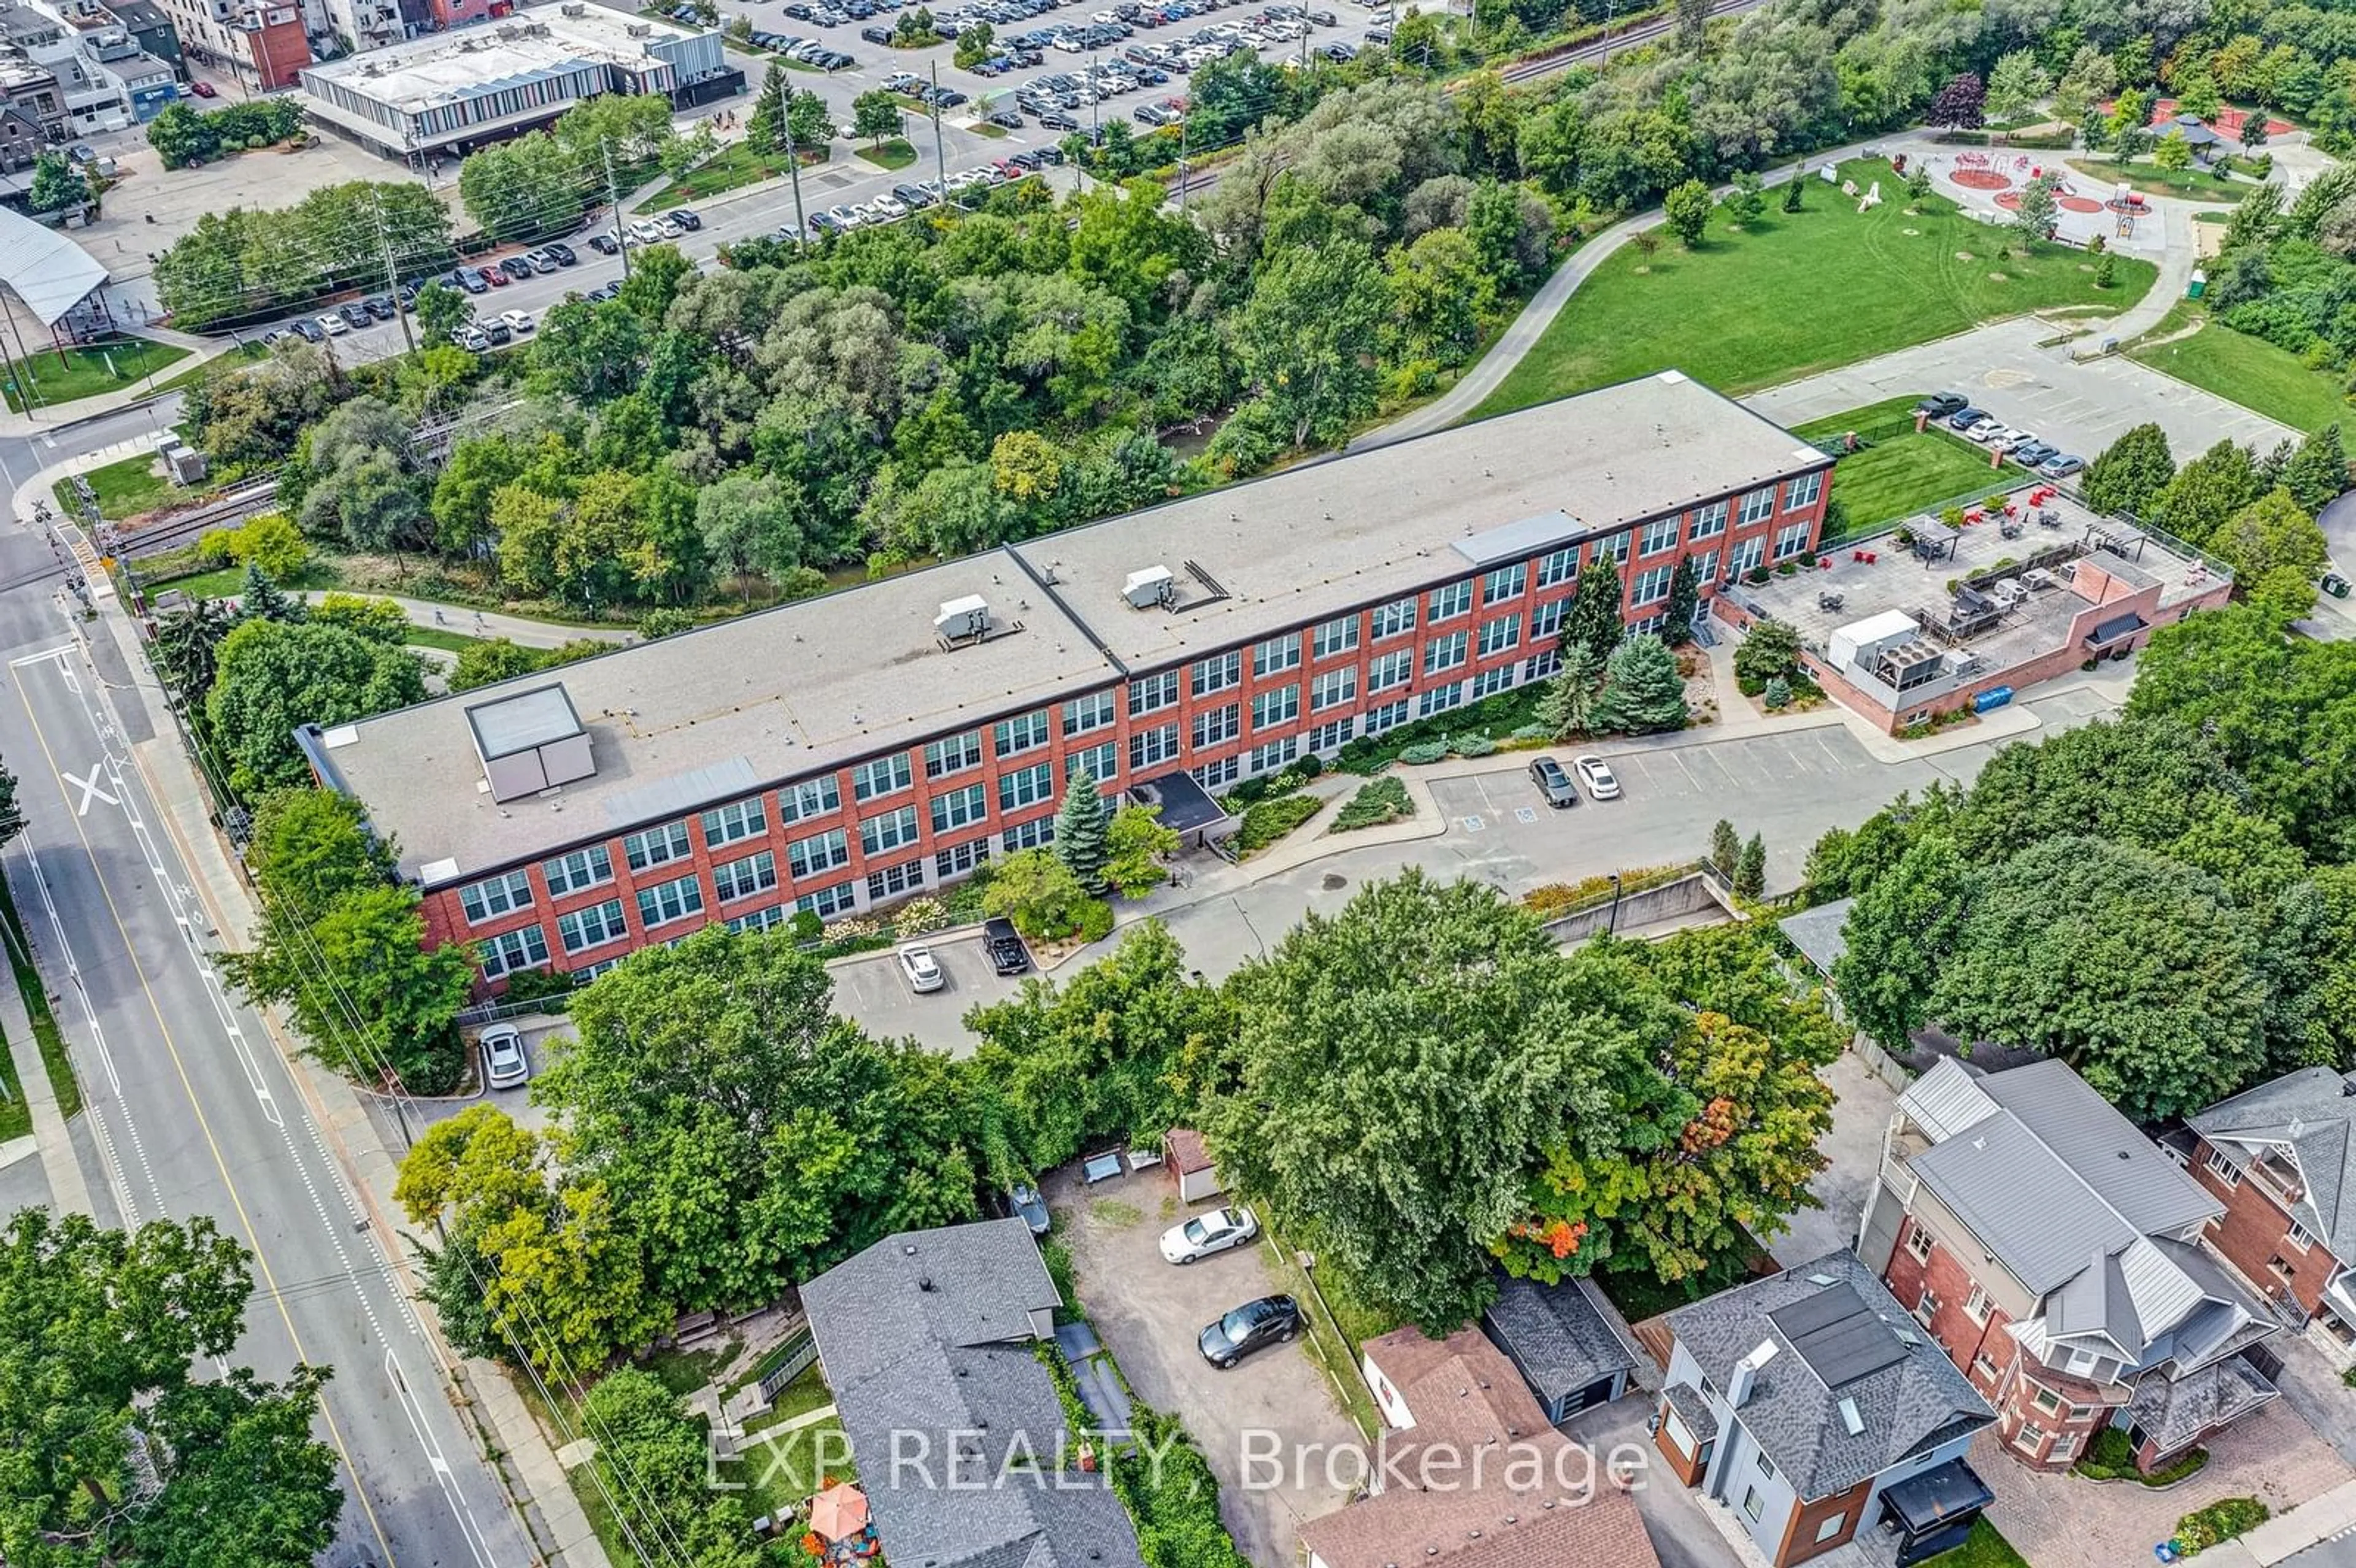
x,y
842,751
454,90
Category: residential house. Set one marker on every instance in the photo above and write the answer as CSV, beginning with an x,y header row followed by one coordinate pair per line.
x,y
2057,1254
1809,1404
958,1435
2281,1159
1470,1476
1562,1342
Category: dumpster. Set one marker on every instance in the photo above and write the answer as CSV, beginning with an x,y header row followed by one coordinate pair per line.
x,y
1995,697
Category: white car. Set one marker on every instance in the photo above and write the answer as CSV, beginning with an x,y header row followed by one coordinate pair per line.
x,y
916,966
1215,1232
1597,775
646,233
334,325
669,228
1987,429
518,320
504,1063
890,206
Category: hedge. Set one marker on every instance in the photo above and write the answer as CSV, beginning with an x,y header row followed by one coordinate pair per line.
x,y
1270,820
2219,1521
1384,800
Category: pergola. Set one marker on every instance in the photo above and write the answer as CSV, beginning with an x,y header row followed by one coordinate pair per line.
x,y
44,275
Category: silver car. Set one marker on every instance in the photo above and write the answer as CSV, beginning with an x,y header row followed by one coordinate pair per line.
x,y
504,1063
1205,1235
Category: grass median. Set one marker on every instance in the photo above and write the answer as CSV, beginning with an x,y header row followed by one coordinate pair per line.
x,y
64,376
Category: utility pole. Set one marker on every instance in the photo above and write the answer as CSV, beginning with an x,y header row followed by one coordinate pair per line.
x,y
391,274
794,173
940,158
614,199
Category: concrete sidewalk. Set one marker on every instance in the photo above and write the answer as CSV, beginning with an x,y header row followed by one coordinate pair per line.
x,y
2290,1532
69,1191
460,621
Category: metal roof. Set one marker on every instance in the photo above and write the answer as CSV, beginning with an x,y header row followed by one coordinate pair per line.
x,y
44,269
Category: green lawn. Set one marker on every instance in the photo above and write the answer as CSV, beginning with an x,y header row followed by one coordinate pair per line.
x,y
36,1004
984,128
1800,292
782,1474
125,488
1983,1549
2252,372
1898,476
895,153
435,637
181,380
731,168
2194,184
86,372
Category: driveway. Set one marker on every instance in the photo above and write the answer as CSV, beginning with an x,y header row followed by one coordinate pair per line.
x,y
1147,1314
2081,406
1682,1535
870,989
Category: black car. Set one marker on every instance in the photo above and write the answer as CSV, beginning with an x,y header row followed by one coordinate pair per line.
x,y
1270,1320
358,314
1004,945
1050,153
407,293
562,253
604,244
1057,120
684,219
516,267
913,196
308,330
1554,784
1941,405
876,36
470,280
380,308
1007,118
1966,417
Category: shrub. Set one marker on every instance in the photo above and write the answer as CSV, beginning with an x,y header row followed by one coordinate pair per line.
x,y
1385,800
1270,820
1531,732
539,985
1755,576
1424,751
1094,920
1474,745
2221,1520
1778,693
919,915
806,926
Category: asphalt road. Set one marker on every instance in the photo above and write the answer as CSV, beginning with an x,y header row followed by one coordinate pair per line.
x,y
193,1109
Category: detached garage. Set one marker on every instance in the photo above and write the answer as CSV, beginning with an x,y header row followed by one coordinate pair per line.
x,y
1557,1336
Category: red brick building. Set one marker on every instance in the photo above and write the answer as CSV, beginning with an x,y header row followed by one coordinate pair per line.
x,y
2056,1254
2281,1159
842,752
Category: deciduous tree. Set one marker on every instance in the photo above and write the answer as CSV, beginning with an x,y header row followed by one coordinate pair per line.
x,y
2272,533
1136,843
272,676
1686,211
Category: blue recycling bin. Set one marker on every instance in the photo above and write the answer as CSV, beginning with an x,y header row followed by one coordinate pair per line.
x,y
1995,697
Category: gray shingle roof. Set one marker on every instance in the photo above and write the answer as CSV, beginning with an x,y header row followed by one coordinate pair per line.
x,y
2312,1110
1906,1405
1817,933
1555,1335
2173,1411
924,1334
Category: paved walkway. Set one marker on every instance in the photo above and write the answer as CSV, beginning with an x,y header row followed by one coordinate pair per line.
x,y
518,629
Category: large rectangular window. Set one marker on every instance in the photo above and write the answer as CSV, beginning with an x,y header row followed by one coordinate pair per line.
x,y
1334,688
1660,534
525,949
1282,705
1390,716
1443,652
592,927
1616,546
1336,636
667,902
1439,699
1392,619
1387,671
1028,835
903,877
1454,600
1559,566
1100,761
828,902
656,846
1218,725
1151,747
1804,491
1275,754
1276,655
960,806
812,797
889,831
1152,693
743,879
1021,735
1708,521
1652,585
741,819
953,755
1489,682
757,919
495,896
1326,736
1497,635
822,852
1547,619
1082,714
884,775
958,859
1026,786
1759,505
1505,582
1792,539
1218,672
581,869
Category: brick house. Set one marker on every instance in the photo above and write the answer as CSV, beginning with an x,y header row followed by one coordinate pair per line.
x,y
2057,1254
844,751
1809,1407
1470,1475
2281,1159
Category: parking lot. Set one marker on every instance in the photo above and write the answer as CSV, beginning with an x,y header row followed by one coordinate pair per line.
x,y
1149,1313
873,991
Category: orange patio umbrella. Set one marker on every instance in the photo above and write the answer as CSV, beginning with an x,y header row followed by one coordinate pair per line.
x,y
839,1512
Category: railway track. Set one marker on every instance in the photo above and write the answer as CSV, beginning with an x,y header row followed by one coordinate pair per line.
x,y
177,528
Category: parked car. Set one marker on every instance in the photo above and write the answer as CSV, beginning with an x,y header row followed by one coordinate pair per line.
x,y
685,217
563,253
201,89
1006,118
493,276
881,36
356,315
1216,1232
379,308
2030,453
1024,1200
2063,466
498,331
308,330
1057,120
1254,1325
918,967
516,268
519,320
504,1063
1966,417
334,325
471,338
1004,945
1554,784
604,244
1597,775
1943,405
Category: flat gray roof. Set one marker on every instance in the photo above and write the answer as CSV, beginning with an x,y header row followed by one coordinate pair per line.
x,y
816,685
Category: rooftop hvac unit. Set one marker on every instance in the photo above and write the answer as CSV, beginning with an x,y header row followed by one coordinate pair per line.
x,y
962,618
2011,593
572,8
1152,586
640,30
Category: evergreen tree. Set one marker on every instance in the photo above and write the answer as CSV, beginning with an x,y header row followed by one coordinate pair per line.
x,y
1725,847
1592,622
1685,603
263,600
1080,832
1643,691
2317,472
2130,473
765,127
1751,871
1567,708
